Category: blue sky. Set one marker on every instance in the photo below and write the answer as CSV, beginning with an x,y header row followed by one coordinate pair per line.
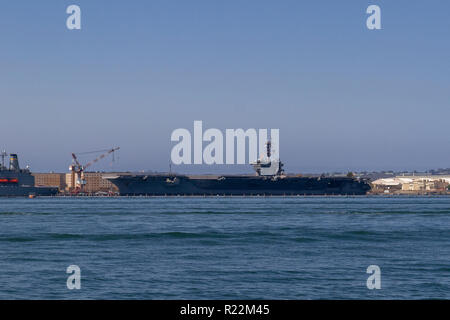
x,y
343,97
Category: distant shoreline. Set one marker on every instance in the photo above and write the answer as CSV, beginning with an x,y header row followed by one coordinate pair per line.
x,y
237,196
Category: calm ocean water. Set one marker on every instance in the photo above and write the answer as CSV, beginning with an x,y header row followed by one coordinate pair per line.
x,y
225,248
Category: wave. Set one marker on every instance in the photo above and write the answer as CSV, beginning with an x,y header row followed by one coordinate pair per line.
x,y
113,236
11,213
175,235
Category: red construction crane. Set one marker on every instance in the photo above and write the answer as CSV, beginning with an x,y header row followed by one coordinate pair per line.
x,y
77,169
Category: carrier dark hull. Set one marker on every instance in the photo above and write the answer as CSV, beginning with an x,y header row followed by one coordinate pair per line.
x,y
170,185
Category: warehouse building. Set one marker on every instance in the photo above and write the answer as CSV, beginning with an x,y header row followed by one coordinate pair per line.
x,y
50,180
412,184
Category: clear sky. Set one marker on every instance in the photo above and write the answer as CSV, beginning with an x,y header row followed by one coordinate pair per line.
x,y
343,97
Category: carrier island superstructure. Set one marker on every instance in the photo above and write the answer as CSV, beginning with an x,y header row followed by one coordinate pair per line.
x,y
269,179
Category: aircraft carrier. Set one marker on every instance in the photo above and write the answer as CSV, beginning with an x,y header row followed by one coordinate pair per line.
x,y
269,179
16,182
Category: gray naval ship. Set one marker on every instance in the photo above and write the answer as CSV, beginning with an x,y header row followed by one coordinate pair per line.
x,y
16,182
269,179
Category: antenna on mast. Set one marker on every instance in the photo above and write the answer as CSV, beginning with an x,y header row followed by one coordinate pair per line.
x,y
3,155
